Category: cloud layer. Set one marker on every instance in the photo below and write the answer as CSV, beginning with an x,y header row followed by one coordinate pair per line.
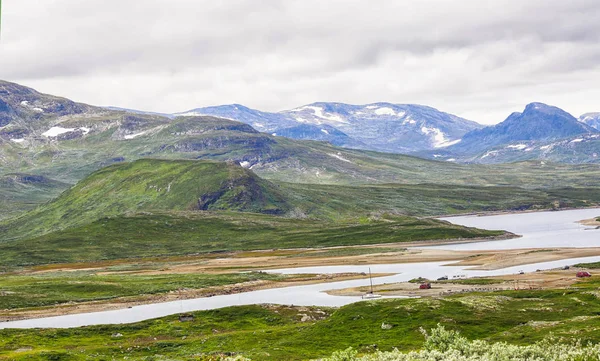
x,y
480,59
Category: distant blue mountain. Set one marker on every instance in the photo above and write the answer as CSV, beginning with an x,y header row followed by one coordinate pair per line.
x,y
591,119
540,132
538,122
397,128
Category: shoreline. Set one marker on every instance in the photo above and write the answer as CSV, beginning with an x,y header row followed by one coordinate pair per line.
x,y
73,308
549,279
484,260
507,212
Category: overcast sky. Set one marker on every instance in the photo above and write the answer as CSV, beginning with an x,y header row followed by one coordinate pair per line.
x,y
480,59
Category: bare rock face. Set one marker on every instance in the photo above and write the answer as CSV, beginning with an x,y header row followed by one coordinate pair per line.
x,y
20,102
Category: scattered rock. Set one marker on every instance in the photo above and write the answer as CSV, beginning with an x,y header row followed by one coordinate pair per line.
x,y
305,318
386,326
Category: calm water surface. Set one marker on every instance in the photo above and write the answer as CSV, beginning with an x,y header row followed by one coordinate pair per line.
x,y
544,229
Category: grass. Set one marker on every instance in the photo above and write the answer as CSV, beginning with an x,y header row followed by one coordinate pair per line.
x,y
151,185
277,333
160,234
61,287
594,265
161,185
430,199
22,192
459,188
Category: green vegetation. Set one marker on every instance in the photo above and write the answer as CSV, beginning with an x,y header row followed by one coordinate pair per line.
x,y
280,159
594,265
61,287
445,345
430,199
22,192
160,234
151,185
263,332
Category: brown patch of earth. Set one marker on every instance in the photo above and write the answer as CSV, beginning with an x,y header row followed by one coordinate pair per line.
x,y
591,222
555,279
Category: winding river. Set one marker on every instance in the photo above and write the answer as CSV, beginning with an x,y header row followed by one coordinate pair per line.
x,y
541,229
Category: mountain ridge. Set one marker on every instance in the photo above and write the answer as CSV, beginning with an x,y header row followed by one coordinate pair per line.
x,y
153,185
377,126
540,131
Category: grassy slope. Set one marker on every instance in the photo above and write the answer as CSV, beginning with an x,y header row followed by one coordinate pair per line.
x,y
430,199
277,333
151,185
148,235
281,159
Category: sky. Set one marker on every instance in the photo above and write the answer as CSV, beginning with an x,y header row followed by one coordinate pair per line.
x,y
479,59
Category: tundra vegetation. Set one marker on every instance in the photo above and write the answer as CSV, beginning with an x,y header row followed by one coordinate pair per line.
x,y
523,324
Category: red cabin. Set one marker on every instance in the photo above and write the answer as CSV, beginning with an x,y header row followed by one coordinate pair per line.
x,y
583,274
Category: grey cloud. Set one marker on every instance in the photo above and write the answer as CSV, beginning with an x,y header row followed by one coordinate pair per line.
x,y
463,57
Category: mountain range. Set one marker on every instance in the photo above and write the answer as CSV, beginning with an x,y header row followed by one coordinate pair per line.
x,y
30,120
396,128
541,131
48,144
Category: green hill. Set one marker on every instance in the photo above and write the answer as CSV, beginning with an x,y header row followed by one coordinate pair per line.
x,y
151,185
152,207
159,234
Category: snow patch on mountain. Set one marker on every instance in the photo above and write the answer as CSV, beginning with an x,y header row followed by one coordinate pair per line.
x,y
26,104
338,156
319,113
18,140
301,120
56,131
325,131
409,120
491,153
439,139
449,143
517,146
132,136
385,111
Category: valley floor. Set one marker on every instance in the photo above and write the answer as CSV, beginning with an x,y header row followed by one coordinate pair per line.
x,y
270,332
61,289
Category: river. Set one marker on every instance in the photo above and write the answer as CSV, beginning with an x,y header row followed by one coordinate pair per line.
x,y
542,229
